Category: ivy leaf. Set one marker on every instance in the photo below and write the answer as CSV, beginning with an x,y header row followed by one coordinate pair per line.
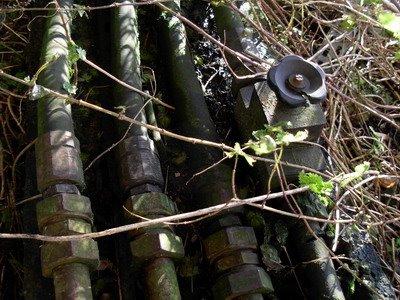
x,y
287,138
268,139
264,146
81,53
317,185
75,53
237,151
390,22
70,88
359,171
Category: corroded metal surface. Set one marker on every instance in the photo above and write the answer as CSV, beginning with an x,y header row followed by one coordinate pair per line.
x,y
57,159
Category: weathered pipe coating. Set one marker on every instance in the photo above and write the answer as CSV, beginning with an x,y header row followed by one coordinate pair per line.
x,y
139,170
260,108
63,210
230,247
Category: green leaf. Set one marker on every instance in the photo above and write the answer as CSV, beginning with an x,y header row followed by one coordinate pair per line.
x,y
70,88
268,140
75,53
348,22
397,242
287,138
317,185
263,146
81,53
239,152
374,2
390,22
397,55
359,171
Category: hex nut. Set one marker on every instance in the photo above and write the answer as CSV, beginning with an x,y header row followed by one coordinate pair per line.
x,y
145,188
243,281
60,188
138,162
157,243
61,207
67,227
58,160
228,240
83,251
219,223
237,258
150,204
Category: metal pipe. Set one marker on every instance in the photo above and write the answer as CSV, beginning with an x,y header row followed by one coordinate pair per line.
x,y
139,169
63,210
230,247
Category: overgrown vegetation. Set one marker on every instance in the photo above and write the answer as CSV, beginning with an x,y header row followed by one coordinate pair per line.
x,y
356,42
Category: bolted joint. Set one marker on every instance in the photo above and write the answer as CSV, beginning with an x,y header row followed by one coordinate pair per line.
x,y
246,280
82,251
155,244
57,159
138,163
61,207
228,240
150,204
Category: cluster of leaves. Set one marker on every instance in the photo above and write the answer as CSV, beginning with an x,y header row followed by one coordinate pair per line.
x,y
323,188
268,140
75,53
271,138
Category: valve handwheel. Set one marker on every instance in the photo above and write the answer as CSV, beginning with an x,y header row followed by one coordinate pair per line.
x,y
297,81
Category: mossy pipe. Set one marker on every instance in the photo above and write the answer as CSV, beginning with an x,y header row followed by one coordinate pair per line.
x,y
77,288
230,26
161,281
71,278
212,187
126,65
158,272
241,278
319,275
55,113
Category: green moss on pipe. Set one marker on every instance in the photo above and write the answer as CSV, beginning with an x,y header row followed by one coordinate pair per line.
x,y
161,281
126,65
54,113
